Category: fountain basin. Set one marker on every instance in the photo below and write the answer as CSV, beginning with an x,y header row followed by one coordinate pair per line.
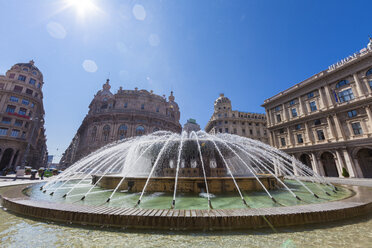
x,y
187,184
214,219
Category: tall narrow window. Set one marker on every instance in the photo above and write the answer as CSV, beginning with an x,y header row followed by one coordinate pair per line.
x,y
312,106
140,130
106,132
294,112
278,118
357,129
94,133
320,134
122,131
126,105
282,141
300,139
142,106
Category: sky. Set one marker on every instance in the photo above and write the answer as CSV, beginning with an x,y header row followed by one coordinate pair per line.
x,y
248,50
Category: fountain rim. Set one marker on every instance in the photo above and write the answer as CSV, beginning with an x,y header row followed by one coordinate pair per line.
x,y
359,203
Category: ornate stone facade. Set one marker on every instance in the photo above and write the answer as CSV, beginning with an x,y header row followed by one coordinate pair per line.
x,y
22,133
326,120
127,113
226,120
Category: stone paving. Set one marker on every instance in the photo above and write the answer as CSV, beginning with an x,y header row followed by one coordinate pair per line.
x,y
347,181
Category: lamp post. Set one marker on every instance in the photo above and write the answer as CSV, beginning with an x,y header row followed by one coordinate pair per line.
x,y
29,143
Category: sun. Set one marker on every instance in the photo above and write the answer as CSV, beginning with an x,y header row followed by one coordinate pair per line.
x,y
82,7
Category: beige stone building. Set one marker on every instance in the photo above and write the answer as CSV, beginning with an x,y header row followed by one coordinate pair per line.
x,y
326,120
22,133
122,115
226,120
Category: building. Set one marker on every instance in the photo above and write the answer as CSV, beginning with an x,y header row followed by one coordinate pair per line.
x,y
226,120
22,133
191,125
127,113
326,120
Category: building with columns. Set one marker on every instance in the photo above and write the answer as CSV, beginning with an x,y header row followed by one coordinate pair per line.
x,y
191,126
22,132
127,113
226,120
326,120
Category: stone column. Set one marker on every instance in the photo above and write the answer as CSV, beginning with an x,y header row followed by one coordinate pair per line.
x,y
294,165
321,168
330,128
271,138
290,143
285,113
340,134
358,85
350,164
314,163
357,167
322,104
369,114
268,117
366,84
329,96
309,136
340,163
302,109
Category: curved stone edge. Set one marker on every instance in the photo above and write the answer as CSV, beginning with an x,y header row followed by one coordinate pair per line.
x,y
218,219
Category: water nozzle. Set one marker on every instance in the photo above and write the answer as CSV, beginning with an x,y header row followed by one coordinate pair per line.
x,y
316,196
334,191
328,194
82,198
51,193
64,196
41,188
273,199
44,191
108,200
245,203
298,198
210,204
336,188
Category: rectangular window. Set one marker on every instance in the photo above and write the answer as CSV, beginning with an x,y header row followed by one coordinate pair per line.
x,y
298,127
300,139
10,109
346,95
13,99
292,102
18,123
278,118
320,134
126,105
352,113
22,78
250,131
226,122
28,91
357,129
36,94
220,130
6,120
23,135
282,141
38,85
310,95
3,131
157,110
142,106
11,75
235,131
243,131
258,132
2,86
32,105
226,130
277,108
22,111
32,81
312,106
317,122
14,133
281,130
370,84
18,89
25,102
294,112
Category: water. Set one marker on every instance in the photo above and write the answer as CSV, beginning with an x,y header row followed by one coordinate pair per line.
x,y
21,232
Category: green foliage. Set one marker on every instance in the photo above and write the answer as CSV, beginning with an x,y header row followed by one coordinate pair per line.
x,y
344,172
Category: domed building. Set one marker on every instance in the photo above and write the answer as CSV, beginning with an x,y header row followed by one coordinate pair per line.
x,y
226,120
126,114
22,132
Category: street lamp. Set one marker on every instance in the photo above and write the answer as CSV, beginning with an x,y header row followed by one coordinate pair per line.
x,y
29,142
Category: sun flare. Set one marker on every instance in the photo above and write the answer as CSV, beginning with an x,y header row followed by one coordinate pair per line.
x,y
82,7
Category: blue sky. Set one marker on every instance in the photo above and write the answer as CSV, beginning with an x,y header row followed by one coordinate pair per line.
x,y
249,50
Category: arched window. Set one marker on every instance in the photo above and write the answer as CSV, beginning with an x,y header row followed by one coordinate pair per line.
x,y
342,83
140,130
94,133
369,72
122,133
106,132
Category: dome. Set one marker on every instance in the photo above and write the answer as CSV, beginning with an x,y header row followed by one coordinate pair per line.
x,y
222,99
28,67
222,103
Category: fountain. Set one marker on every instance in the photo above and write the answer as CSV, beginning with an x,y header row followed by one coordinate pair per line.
x,y
188,181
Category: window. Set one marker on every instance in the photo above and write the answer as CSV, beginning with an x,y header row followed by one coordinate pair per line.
x,y
250,124
142,106
300,139
3,131
234,122
298,127
1,86
36,94
22,111
243,123
310,95
235,131
28,91
370,84
258,132
346,95
32,81
11,75
18,123
220,130
26,125
226,122
282,141
352,113
32,105
281,130
25,102
257,124
292,102
157,110
320,134
22,78
140,130
14,133
25,69
357,129
30,113
312,106
342,83
250,131
6,120
219,122
10,109
122,131
278,118
277,108
23,135
18,89
13,99
93,133
226,130
317,122
106,132
225,115
294,112
38,85
369,72
34,72
243,131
